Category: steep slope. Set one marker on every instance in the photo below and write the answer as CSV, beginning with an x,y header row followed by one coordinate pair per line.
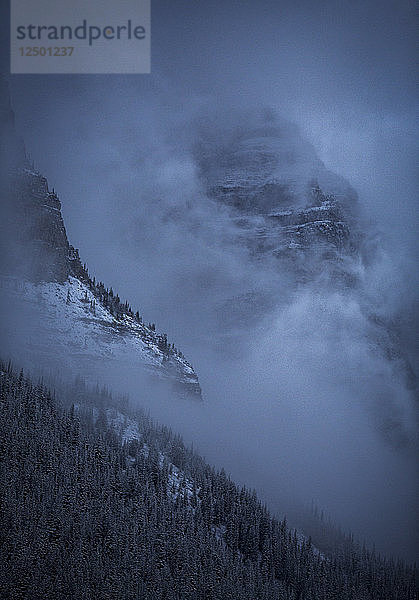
x,y
69,316
88,512
68,323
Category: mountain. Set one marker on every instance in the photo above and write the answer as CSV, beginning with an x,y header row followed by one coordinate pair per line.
x,y
100,504
282,197
60,312
297,221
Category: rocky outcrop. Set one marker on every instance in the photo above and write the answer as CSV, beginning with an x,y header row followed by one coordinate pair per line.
x,y
34,241
40,231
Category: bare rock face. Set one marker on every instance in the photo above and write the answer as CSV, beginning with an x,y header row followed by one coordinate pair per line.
x,y
39,229
282,198
34,242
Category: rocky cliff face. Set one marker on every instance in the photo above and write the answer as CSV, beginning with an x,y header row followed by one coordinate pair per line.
x,y
72,317
37,225
34,240
282,198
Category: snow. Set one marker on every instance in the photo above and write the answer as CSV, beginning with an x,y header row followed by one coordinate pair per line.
x,y
68,317
127,428
178,483
324,223
29,171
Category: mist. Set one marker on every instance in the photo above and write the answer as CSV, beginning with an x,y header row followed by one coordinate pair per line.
x,y
297,400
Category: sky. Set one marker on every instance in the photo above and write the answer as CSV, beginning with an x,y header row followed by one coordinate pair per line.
x,y
117,149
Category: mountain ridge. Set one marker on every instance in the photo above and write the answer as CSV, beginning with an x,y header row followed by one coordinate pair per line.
x,y
35,249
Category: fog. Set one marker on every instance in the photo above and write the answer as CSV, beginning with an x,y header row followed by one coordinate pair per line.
x,y
298,400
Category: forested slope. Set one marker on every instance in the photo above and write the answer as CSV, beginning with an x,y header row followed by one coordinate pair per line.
x,y
98,505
